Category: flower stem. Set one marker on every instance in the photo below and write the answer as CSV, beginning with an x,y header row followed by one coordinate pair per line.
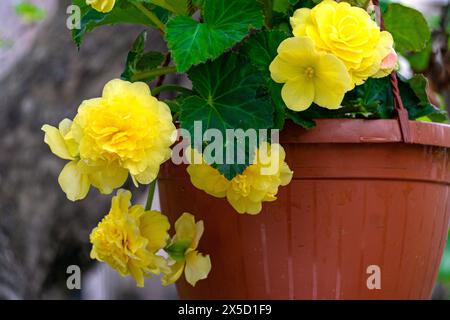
x,y
268,12
153,73
153,18
170,87
151,193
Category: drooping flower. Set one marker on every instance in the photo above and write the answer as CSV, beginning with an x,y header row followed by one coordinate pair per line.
x,y
309,76
257,184
184,254
101,5
126,131
347,32
129,238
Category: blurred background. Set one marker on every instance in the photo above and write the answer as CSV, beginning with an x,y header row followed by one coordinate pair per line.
x,y
43,79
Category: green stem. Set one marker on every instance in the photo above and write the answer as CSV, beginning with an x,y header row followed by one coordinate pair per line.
x,y
153,73
151,193
158,23
268,12
170,87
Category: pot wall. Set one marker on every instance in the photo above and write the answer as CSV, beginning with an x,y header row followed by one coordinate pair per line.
x,y
349,206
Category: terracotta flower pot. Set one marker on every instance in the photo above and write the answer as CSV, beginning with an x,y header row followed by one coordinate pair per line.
x,y
359,197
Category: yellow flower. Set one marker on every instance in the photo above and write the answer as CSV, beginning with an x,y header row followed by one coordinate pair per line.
x,y
183,252
388,65
346,32
101,5
128,238
309,76
205,177
126,131
258,183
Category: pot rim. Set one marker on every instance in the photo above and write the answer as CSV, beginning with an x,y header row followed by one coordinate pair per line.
x,y
366,131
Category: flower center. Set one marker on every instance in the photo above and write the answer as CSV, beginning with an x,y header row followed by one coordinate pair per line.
x,y
241,185
309,72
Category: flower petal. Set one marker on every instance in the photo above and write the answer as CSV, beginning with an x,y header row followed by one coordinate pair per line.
x,y
56,142
332,81
154,227
174,274
185,228
108,178
74,182
298,94
197,267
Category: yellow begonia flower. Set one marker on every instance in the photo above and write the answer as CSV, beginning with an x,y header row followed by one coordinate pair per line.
x,y
183,251
347,32
388,65
101,5
258,183
126,131
309,76
128,238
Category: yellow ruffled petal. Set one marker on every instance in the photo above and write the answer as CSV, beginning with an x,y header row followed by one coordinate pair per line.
x,y
127,130
197,267
299,21
120,202
129,239
56,142
175,273
236,201
147,176
65,128
137,275
74,182
154,227
208,179
199,229
286,175
108,178
347,32
185,228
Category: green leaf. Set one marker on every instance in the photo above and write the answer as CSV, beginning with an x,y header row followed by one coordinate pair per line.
x,y
227,95
225,23
30,12
420,61
180,7
123,12
408,27
261,49
281,5
359,3
138,61
415,98
374,98
177,250
444,270
300,120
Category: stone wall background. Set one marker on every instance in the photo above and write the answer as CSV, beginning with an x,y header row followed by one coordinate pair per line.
x,y
43,79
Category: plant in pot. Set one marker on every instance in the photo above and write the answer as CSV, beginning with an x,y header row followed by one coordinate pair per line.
x,y
349,201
